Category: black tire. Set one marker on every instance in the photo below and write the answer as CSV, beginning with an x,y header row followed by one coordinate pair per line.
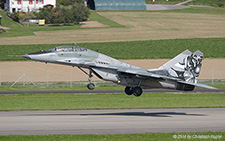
x,y
137,91
91,86
128,90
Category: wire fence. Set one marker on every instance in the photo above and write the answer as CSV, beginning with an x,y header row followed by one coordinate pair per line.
x,y
56,84
81,84
25,81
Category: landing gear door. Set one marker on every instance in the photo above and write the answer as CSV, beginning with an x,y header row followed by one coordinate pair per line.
x,y
106,74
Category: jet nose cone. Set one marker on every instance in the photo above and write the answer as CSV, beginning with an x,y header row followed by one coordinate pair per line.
x,y
26,56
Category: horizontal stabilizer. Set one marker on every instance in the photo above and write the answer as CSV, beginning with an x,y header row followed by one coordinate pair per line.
x,y
205,86
198,84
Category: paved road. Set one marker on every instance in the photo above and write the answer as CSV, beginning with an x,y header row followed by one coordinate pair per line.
x,y
122,121
109,91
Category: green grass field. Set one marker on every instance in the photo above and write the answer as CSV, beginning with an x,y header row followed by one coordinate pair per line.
x,y
163,1
215,3
17,29
96,17
192,9
63,86
152,49
100,85
109,101
126,137
198,10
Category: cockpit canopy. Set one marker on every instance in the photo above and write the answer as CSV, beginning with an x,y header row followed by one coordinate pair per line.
x,y
67,49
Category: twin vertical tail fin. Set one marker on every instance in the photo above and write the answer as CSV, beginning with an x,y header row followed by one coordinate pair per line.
x,y
185,66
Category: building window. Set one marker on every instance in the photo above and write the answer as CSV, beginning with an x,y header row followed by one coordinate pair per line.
x,y
41,1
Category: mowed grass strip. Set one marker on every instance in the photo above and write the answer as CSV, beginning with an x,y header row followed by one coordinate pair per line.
x,y
108,101
17,29
128,137
94,16
151,49
214,3
163,1
63,88
197,10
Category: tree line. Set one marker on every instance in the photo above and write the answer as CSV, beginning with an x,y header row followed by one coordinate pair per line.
x,y
66,11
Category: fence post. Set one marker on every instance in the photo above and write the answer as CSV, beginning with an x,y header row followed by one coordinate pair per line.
x,y
0,80
47,79
71,79
24,78
213,76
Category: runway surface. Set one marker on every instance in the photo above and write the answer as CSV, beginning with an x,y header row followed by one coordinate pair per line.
x,y
122,121
110,91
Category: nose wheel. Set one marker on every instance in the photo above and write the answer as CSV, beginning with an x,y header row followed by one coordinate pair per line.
x,y
90,86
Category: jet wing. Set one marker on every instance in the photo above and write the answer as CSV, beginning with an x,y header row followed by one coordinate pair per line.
x,y
144,73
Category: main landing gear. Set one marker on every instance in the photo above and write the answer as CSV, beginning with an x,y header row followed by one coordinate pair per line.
x,y
136,91
90,86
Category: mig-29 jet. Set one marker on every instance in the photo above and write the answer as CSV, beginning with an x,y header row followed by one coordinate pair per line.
x,y
180,73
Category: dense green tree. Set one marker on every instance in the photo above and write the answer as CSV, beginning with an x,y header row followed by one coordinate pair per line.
x,y
2,4
65,14
69,2
80,12
47,14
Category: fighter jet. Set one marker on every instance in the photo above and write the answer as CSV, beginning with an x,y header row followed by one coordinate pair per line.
x,y
180,73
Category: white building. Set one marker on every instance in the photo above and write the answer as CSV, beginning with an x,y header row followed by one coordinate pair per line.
x,y
28,5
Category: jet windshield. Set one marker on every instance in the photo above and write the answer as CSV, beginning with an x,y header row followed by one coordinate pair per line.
x,y
68,49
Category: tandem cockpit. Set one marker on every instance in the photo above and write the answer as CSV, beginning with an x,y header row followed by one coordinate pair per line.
x,y
60,49
67,49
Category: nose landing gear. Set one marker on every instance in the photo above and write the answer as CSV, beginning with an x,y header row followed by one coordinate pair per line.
x,y
90,86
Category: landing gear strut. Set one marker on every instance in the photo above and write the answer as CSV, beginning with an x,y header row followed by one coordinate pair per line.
x,y
90,86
